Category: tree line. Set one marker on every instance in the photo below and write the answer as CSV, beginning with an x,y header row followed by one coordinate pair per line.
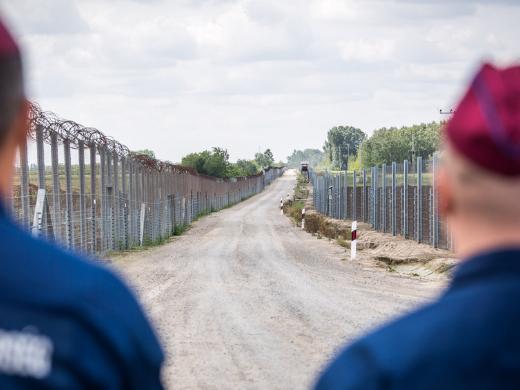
x,y
347,147
215,162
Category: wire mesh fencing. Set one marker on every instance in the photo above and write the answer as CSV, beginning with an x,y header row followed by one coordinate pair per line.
x,y
92,194
397,198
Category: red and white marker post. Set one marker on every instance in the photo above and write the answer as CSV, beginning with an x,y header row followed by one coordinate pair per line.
x,y
354,241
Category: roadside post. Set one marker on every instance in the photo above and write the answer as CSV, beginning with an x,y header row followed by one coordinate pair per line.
x,y
353,243
303,218
281,206
329,203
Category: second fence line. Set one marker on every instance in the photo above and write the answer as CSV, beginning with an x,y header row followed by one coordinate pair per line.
x,y
401,199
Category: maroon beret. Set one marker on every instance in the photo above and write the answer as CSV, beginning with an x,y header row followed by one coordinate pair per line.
x,y
486,125
8,46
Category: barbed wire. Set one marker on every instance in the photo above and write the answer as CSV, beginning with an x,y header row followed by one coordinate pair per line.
x,y
65,129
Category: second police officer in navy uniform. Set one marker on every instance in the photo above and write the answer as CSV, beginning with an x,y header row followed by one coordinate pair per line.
x,y
470,337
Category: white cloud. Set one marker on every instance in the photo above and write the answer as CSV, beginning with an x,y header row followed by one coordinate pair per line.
x,y
181,76
366,51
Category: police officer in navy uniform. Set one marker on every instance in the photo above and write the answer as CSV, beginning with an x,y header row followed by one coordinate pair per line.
x,y
470,336
65,322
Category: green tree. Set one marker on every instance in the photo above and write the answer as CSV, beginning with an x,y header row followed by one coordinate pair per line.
x,y
264,160
386,145
196,160
342,141
216,163
246,168
213,163
269,158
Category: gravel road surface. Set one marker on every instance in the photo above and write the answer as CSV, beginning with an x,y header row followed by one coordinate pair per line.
x,y
245,300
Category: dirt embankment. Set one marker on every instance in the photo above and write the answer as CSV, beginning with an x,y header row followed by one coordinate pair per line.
x,y
394,253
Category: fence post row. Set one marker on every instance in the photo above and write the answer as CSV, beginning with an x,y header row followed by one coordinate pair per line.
x,y
390,203
112,199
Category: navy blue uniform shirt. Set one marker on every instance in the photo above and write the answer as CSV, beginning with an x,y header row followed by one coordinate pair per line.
x,y
67,323
468,338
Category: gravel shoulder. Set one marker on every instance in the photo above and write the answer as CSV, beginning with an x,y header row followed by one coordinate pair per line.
x,y
246,300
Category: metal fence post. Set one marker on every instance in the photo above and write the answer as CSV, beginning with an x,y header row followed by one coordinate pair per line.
x,y
138,201
103,198
394,199
142,216
40,157
68,194
354,196
364,200
405,199
82,218
45,218
435,221
116,221
383,198
110,200
374,198
24,186
124,203
93,175
419,217
56,194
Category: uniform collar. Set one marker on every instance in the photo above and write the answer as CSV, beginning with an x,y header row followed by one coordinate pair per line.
x,y
486,265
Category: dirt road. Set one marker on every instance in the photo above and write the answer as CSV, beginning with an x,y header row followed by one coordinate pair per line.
x,y
246,300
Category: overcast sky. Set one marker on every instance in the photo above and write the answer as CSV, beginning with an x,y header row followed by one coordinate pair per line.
x,y
183,76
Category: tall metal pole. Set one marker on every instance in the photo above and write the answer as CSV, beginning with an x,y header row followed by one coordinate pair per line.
x,y
82,216
405,199
419,218
68,194
435,214
394,199
383,198
24,186
93,175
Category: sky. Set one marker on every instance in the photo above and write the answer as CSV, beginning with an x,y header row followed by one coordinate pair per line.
x,y
183,76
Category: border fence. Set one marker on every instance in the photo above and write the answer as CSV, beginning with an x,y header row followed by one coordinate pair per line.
x,y
400,199
94,195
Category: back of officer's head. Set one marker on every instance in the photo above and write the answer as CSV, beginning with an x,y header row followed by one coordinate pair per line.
x,y
481,160
11,83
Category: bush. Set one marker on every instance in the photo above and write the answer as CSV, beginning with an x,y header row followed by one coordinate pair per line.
x,y
318,224
295,211
327,229
312,223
